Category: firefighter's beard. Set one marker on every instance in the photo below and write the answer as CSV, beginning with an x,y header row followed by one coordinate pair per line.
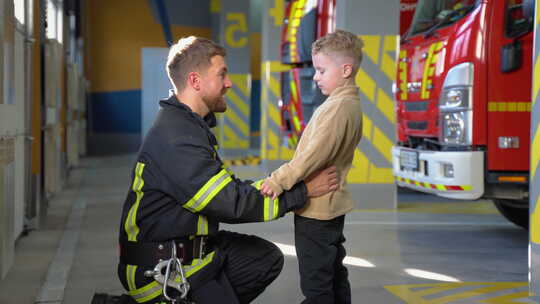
x,y
216,104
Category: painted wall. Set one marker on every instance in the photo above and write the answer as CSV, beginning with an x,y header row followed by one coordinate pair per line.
x,y
116,32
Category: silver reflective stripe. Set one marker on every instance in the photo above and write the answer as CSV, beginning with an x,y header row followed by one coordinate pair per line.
x,y
208,191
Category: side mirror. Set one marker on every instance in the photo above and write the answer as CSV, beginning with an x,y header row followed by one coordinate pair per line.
x,y
511,57
528,8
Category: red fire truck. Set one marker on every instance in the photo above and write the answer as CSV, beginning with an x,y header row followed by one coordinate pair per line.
x,y
305,21
463,91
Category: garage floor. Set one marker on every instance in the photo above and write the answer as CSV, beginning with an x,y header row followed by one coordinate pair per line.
x,y
430,250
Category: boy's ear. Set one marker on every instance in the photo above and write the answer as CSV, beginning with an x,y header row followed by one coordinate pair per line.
x,y
347,70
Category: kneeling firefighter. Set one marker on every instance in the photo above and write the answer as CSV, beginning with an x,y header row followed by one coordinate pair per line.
x,y
181,191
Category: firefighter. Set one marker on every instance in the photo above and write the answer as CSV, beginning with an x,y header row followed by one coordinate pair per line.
x,y
181,191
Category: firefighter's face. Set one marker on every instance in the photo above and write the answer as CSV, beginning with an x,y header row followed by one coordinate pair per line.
x,y
214,85
328,73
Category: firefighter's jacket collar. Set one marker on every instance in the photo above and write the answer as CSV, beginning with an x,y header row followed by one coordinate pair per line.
x,y
209,120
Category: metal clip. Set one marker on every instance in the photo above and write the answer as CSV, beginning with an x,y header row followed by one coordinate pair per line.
x,y
170,266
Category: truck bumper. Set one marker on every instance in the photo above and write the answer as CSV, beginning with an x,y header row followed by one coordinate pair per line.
x,y
467,181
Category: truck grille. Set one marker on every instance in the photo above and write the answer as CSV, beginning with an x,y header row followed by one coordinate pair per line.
x,y
416,106
417,125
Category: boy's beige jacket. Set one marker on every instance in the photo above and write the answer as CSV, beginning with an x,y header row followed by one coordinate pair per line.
x,y
330,138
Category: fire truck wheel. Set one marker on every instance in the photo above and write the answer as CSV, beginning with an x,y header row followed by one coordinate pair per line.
x,y
514,211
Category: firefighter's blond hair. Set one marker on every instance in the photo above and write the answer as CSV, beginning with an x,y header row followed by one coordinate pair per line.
x,y
340,43
190,54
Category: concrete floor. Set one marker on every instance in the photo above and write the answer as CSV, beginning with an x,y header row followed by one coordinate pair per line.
x,y
430,250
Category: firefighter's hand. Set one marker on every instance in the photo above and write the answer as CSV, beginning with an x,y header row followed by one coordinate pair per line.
x,y
266,190
322,182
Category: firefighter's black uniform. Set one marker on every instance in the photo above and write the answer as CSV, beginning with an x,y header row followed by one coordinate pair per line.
x,y
181,191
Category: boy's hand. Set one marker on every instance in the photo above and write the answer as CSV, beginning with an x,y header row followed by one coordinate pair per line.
x,y
267,191
322,182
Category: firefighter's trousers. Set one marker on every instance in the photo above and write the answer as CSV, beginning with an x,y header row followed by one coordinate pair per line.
x,y
243,266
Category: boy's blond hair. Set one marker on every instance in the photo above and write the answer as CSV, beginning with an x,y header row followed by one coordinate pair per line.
x,y
190,54
340,43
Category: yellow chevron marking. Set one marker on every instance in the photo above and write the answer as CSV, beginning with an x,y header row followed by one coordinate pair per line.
x,y
535,151
359,170
275,86
366,84
276,66
386,105
388,64
233,141
371,47
286,153
215,6
535,223
274,114
242,82
382,143
536,82
380,175
417,293
240,103
367,127
273,139
239,123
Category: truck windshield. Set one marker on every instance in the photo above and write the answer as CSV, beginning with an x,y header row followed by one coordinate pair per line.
x,y
433,14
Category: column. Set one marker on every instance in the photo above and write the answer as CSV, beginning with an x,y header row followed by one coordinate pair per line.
x,y
534,193
233,131
377,23
273,151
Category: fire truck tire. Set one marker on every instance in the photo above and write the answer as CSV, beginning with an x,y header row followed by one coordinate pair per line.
x,y
513,213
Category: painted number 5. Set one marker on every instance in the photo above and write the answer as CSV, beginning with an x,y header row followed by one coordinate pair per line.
x,y
236,23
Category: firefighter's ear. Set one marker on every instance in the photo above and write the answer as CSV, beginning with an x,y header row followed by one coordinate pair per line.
x,y
347,70
194,80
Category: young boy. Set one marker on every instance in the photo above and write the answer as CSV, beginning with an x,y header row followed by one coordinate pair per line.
x,y
330,138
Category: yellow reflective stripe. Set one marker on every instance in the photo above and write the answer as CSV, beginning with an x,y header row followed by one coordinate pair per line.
x,y
271,208
224,166
258,184
130,274
131,225
208,191
197,264
154,289
202,225
276,208
146,293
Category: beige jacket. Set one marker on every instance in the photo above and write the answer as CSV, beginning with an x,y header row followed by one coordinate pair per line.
x,y
330,138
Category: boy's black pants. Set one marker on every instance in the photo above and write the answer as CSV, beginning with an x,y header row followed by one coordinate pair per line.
x,y
320,251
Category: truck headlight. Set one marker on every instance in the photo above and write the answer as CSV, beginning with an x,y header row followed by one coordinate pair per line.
x,y
455,106
454,128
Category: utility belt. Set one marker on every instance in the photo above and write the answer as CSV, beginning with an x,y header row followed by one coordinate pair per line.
x,y
149,254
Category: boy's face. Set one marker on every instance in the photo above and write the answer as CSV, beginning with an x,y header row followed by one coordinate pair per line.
x,y
329,74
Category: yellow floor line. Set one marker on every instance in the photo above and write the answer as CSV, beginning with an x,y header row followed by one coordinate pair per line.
x,y
483,207
475,292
